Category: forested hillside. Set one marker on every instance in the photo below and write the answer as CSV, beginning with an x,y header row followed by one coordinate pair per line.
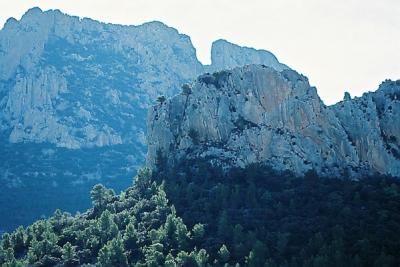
x,y
195,215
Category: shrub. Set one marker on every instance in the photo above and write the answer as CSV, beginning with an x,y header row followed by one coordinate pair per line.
x,y
186,90
161,99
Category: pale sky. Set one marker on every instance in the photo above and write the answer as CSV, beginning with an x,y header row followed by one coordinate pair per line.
x,y
340,45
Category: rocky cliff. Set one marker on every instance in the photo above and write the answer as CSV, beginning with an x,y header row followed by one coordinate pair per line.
x,y
48,58
74,95
225,55
257,114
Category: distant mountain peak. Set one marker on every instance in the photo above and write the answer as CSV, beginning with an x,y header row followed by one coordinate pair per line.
x,y
225,55
33,11
221,43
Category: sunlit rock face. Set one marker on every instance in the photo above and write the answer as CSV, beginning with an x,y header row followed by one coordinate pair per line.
x,y
74,95
256,114
62,74
80,83
372,123
225,55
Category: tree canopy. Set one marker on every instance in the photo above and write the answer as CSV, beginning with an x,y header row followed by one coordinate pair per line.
x,y
196,215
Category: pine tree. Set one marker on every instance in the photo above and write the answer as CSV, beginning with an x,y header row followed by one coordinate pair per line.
x,y
185,259
2,256
34,252
117,252
170,261
107,227
181,234
130,237
18,239
176,232
154,254
48,245
143,181
160,199
9,258
14,263
104,257
251,260
6,241
100,196
202,258
198,232
224,254
69,255
170,227
112,254
59,220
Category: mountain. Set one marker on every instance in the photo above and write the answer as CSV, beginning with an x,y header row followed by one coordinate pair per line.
x,y
74,95
260,115
246,167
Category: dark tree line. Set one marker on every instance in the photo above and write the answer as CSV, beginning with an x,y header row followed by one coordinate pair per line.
x,y
196,215
266,218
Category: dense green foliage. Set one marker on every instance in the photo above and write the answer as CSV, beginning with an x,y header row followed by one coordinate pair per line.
x,y
138,228
256,217
250,217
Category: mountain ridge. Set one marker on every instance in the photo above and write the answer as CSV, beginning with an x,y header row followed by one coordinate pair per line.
x,y
255,114
52,21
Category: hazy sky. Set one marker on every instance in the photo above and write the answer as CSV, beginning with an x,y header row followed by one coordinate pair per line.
x,y
341,45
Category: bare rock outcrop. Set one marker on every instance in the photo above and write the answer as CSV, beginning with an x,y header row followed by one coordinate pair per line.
x,y
256,114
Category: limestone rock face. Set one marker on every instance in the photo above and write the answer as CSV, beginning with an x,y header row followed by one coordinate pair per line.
x,y
74,95
225,55
372,123
62,74
52,64
256,114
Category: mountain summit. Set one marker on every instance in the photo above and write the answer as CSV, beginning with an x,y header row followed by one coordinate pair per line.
x,y
257,114
74,94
